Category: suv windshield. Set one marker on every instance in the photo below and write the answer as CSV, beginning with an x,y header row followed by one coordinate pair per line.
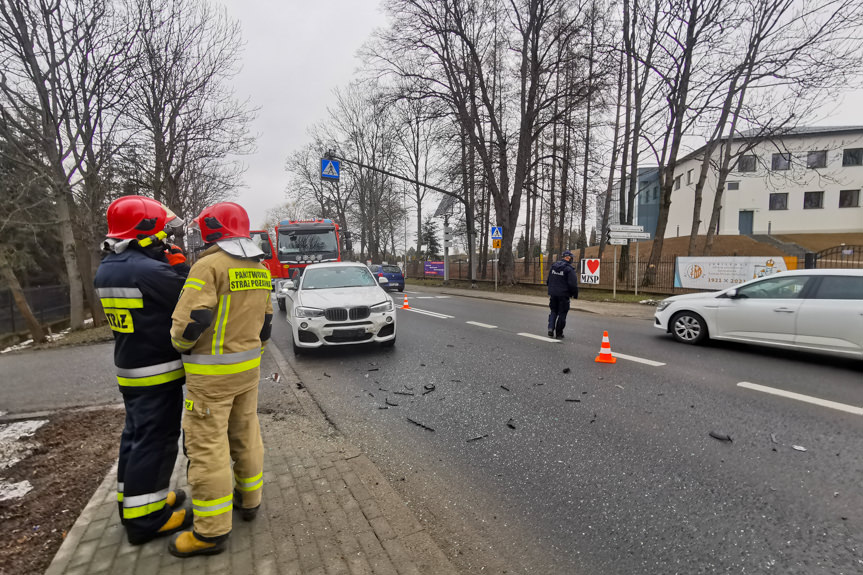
x,y
329,278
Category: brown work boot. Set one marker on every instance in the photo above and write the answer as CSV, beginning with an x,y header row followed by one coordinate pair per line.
x,y
176,498
247,513
187,544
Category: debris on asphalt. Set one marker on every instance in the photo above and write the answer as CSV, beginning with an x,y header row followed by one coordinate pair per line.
x,y
505,388
594,418
455,380
390,403
275,378
478,437
429,387
382,389
422,365
573,400
620,386
773,438
327,374
404,393
418,424
566,370
408,387
798,447
300,385
720,436
510,424
450,345
383,407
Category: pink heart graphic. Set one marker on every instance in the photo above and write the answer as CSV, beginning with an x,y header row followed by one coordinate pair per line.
x,y
592,265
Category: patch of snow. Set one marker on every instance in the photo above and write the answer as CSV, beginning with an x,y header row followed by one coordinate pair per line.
x,y
12,449
28,343
14,490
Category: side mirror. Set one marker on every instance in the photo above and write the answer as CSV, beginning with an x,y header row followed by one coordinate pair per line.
x,y
383,280
732,293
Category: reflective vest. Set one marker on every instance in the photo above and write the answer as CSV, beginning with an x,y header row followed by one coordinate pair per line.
x,y
221,321
138,293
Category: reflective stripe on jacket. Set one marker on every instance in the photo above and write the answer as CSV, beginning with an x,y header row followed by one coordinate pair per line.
x,y
138,292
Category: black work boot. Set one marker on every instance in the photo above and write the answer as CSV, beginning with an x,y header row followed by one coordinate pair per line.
x,y
247,513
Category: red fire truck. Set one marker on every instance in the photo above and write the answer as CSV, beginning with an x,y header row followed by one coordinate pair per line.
x,y
300,243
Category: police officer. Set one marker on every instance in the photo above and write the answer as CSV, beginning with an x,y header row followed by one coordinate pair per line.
x,y
138,290
562,284
221,324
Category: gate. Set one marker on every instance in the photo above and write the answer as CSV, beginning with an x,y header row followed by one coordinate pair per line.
x,y
840,257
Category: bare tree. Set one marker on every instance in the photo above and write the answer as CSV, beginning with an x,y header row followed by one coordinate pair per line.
x,y
189,126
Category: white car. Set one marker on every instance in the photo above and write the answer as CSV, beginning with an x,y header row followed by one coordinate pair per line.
x,y
339,303
818,310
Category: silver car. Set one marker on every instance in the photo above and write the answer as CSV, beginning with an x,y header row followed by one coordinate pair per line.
x,y
818,310
339,303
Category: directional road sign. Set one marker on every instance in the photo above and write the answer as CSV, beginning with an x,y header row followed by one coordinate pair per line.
x,y
329,169
617,241
496,232
625,228
630,235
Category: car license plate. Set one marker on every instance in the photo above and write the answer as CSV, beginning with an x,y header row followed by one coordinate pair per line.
x,y
357,332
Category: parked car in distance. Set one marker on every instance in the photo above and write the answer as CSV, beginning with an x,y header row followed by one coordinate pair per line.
x,y
339,303
393,273
817,310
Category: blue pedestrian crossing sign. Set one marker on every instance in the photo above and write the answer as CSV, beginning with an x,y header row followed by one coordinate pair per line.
x,y
496,233
329,169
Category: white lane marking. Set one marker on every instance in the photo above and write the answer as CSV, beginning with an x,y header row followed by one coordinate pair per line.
x,y
425,297
801,397
431,313
540,337
638,359
442,296
482,324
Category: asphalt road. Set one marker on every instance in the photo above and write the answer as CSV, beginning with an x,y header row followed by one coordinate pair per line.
x,y
604,469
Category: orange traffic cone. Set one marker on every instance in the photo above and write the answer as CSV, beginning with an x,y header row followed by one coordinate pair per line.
x,y
406,306
605,351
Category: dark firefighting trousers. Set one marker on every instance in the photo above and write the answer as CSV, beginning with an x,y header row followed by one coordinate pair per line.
x,y
148,451
217,432
559,307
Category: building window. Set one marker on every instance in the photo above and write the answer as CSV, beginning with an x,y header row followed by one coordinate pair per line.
x,y
781,161
849,198
689,177
816,159
732,186
852,157
813,200
747,163
677,183
779,201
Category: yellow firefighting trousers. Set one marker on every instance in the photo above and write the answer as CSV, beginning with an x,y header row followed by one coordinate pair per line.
x,y
217,432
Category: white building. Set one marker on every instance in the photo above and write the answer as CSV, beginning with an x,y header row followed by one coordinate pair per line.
x,y
807,181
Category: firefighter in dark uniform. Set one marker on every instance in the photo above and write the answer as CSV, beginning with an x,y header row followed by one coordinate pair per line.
x,y
221,324
139,289
562,284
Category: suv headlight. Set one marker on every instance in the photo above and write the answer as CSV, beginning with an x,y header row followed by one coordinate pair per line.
x,y
300,311
383,307
663,304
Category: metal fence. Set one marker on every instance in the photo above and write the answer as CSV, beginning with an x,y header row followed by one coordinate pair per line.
x,y
48,304
534,273
840,257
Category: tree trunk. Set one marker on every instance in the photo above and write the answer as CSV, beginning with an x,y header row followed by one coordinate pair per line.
x,y
8,274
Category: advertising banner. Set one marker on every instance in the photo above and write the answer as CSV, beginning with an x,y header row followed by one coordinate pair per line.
x,y
433,268
590,271
714,273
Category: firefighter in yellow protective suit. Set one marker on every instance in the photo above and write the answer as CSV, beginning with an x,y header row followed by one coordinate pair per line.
x,y
220,325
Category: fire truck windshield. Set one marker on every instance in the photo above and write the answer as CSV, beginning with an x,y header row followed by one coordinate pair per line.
x,y
307,242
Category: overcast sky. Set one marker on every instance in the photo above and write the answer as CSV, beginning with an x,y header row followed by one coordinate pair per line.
x,y
297,52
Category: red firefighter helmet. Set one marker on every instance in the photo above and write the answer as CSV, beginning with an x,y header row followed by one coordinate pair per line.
x,y
223,221
135,217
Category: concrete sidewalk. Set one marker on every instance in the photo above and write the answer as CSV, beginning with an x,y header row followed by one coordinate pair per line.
x,y
326,508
